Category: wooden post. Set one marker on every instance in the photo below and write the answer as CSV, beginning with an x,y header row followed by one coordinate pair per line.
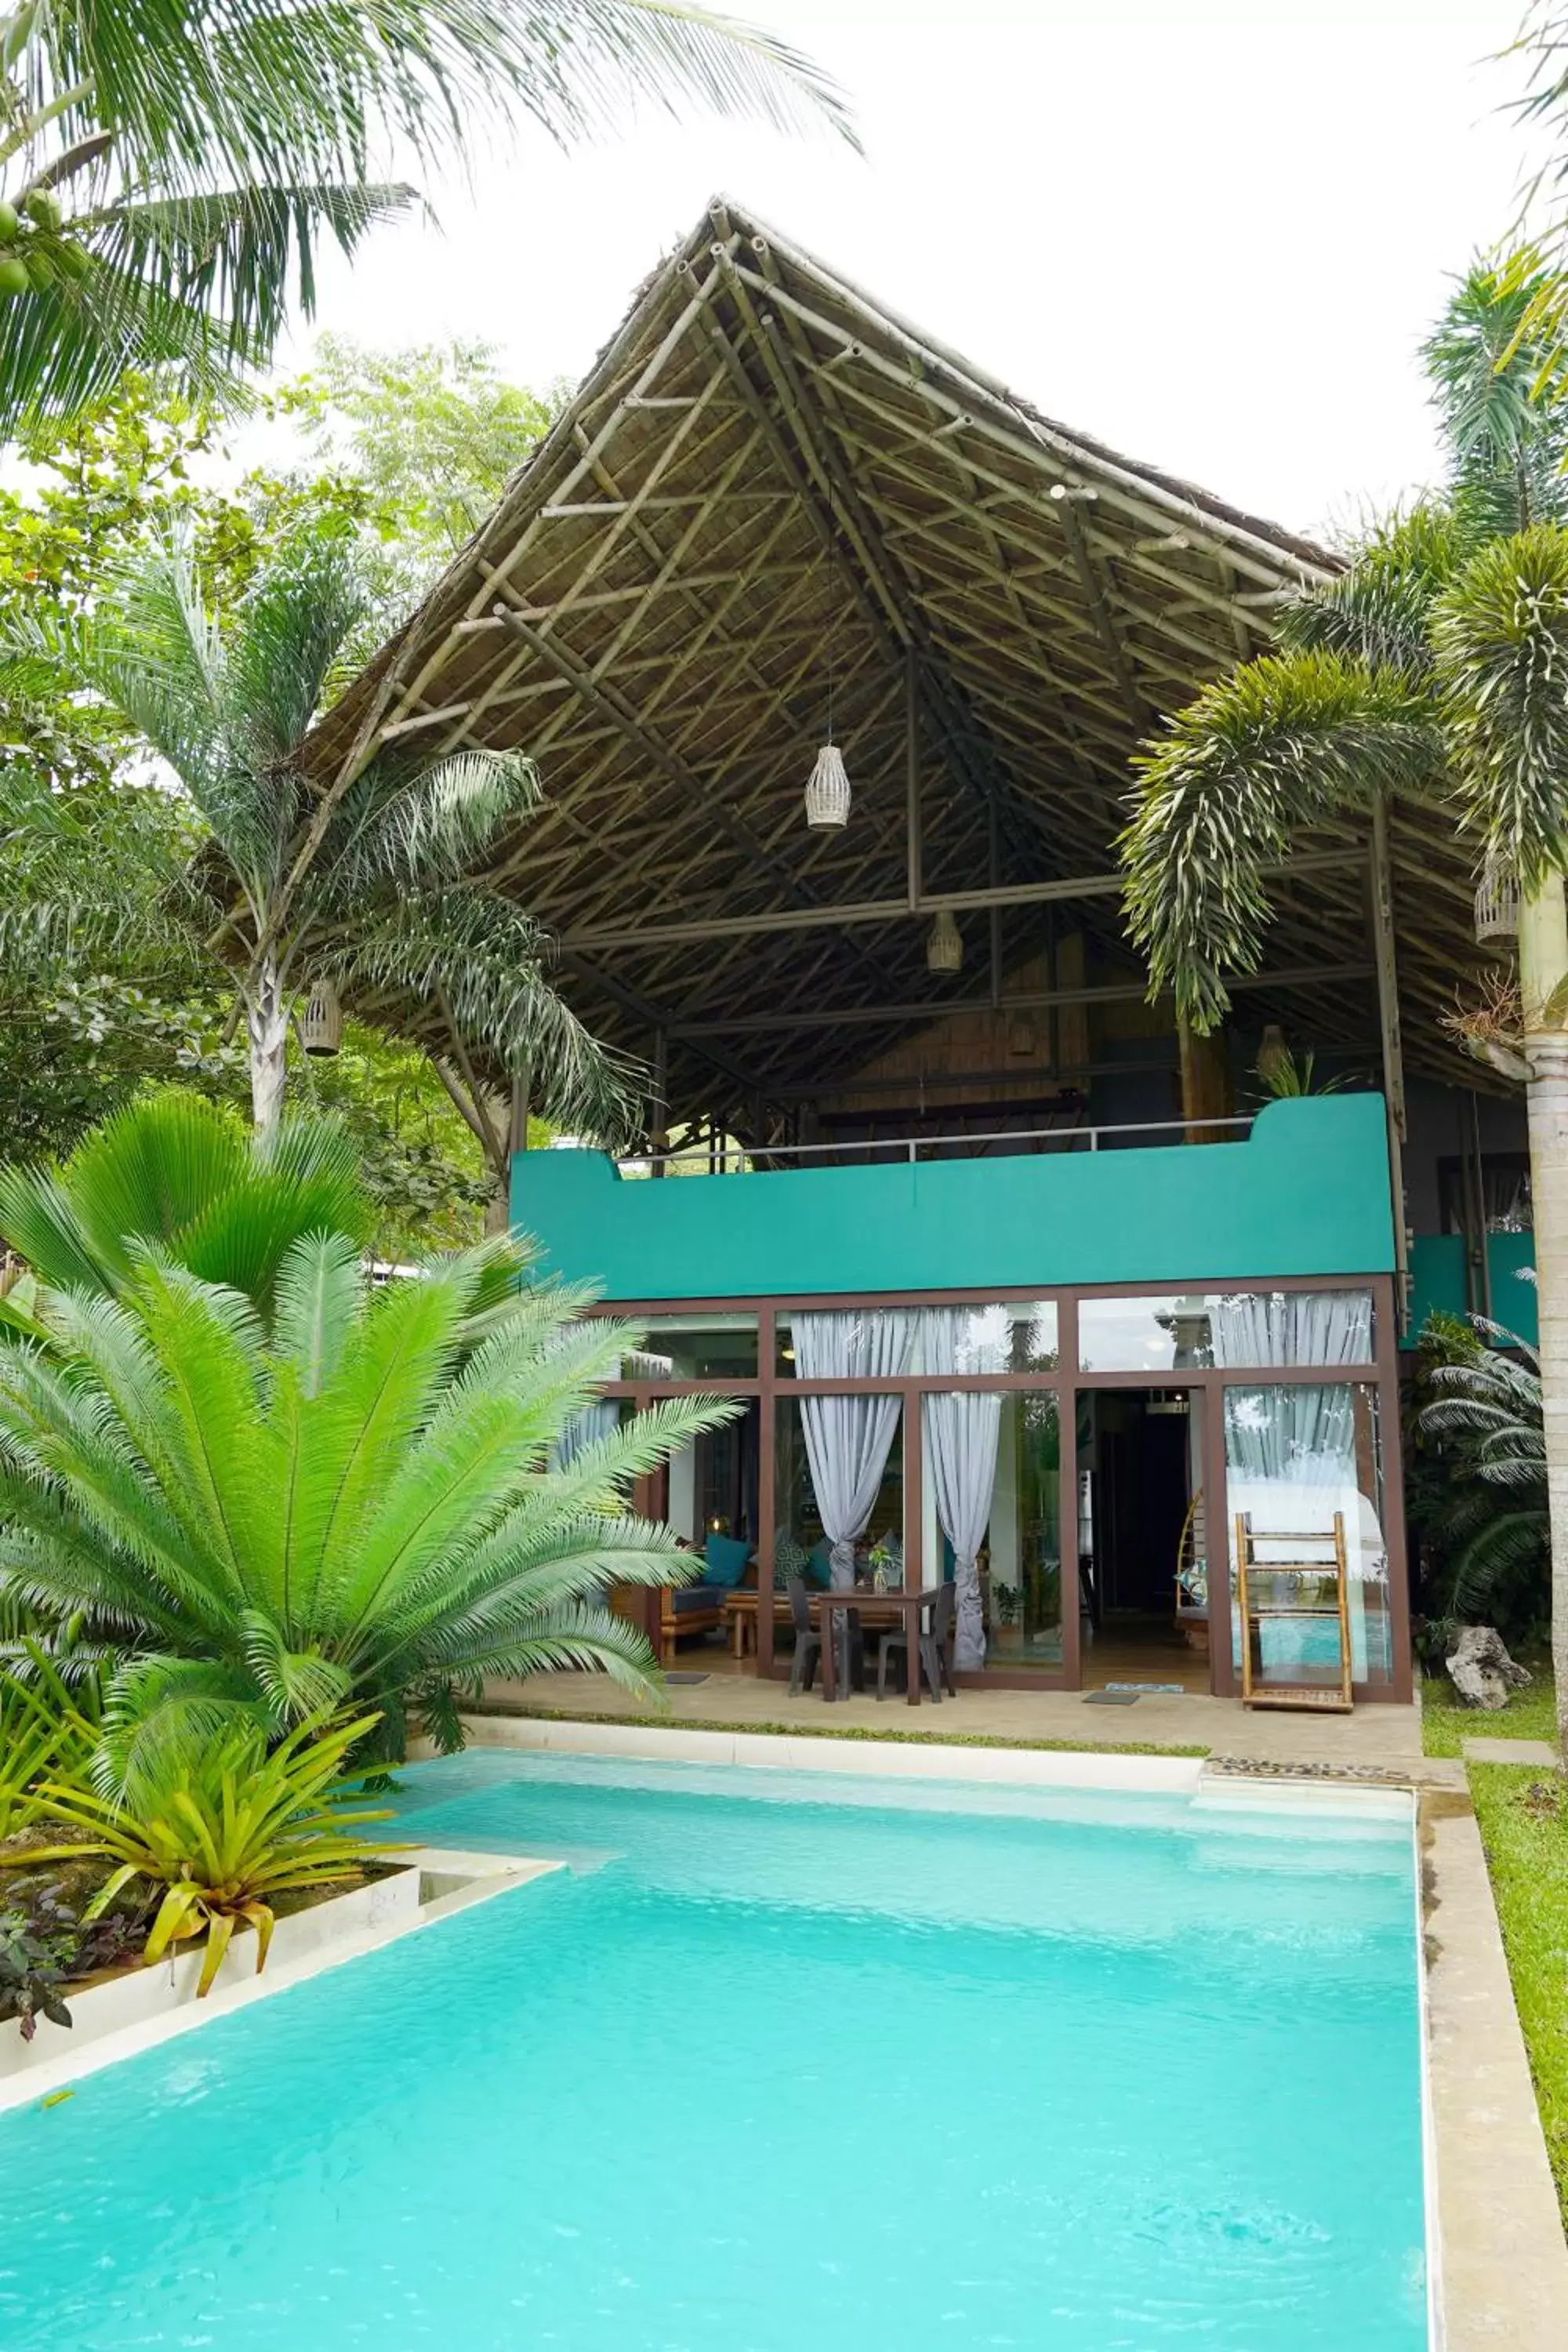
x,y
912,779
659,1125
1393,1054
1066,1457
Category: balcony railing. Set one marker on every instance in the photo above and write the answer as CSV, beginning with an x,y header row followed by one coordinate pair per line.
x,y
882,1151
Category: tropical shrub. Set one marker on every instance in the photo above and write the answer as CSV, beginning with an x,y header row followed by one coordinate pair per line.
x,y
45,1946
1479,1507
343,1497
221,1829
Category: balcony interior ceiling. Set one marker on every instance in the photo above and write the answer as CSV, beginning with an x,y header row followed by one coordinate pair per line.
x,y
771,501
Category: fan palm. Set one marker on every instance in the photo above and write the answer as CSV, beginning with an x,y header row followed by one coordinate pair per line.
x,y
170,169
364,885
173,1170
1435,668
346,1499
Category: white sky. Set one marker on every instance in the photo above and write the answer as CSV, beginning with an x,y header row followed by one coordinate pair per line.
x,y
1212,234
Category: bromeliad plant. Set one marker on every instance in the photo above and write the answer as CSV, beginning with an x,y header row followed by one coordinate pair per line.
x,y
47,1732
346,1499
221,1829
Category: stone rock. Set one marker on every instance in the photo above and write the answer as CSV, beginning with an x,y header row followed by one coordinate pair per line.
x,y
1482,1671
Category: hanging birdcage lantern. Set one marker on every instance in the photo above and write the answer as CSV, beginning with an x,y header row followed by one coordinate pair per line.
x,y
827,792
1497,902
322,1028
944,944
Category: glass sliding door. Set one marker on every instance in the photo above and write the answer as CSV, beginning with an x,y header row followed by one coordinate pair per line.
x,y
1298,1458
992,1522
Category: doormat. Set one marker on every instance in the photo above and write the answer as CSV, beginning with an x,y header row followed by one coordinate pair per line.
x,y
1111,1698
1150,1690
685,1678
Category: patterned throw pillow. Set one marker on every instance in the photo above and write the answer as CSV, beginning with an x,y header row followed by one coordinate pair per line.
x,y
790,1559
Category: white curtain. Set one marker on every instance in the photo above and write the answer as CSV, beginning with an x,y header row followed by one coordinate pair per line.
x,y
584,1427
1292,1326
961,1434
1290,1451
847,1438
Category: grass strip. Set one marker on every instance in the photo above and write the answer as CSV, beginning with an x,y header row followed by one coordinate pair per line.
x,y
1530,1714
1522,1814
846,1731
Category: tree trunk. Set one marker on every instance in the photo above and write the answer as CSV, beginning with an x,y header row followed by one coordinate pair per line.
x,y
1543,971
1206,1090
266,1019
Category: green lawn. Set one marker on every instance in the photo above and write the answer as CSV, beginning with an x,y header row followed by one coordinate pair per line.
x,y
1524,1819
1528,1715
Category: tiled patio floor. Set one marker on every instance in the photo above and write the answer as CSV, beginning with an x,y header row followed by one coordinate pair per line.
x,y
1381,1736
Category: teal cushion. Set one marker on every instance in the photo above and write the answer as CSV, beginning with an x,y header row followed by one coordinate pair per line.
x,y
820,1571
726,1557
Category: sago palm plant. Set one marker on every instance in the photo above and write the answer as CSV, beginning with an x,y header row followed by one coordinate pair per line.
x,y
1484,1411
1435,668
220,1829
364,885
348,1499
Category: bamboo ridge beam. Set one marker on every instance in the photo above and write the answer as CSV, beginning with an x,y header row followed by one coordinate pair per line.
x,y
1030,1000
1056,890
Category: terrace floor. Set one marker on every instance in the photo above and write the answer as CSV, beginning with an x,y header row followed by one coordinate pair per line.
x,y
1382,1737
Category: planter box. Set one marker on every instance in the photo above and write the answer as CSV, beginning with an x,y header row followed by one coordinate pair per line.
x,y
142,1993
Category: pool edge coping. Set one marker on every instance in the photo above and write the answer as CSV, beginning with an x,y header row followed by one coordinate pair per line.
x,y
926,1759
467,1876
1496,2224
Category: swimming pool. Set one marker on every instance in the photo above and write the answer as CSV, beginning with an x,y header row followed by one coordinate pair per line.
x,y
780,2062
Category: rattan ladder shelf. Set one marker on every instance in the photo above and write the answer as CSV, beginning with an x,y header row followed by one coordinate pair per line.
x,y
1256,1612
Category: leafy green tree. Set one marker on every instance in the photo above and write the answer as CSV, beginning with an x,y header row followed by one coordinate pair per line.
x,y
431,436
363,886
171,170
347,1498
1435,668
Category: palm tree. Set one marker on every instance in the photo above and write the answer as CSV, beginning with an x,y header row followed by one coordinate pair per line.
x,y
347,1499
363,887
171,169
1436,667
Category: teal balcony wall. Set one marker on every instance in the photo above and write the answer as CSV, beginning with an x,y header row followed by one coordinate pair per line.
x,y
1307,1192
1438,1281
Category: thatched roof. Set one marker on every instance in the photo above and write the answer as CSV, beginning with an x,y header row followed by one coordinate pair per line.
x,y
770,490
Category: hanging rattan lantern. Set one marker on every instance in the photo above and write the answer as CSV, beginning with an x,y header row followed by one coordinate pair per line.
x,y
321,1029
1497,902
944,944
828,793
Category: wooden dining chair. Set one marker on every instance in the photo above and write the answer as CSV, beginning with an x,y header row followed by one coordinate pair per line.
x,y
935,1647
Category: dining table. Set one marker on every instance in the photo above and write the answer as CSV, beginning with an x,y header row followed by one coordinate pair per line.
x,y
887,1608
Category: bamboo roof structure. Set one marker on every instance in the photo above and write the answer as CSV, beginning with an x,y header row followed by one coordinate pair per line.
x,y
771,501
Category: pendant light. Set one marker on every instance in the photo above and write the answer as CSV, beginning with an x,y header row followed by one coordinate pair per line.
x,y
321,1029
944,944
827,792
827,788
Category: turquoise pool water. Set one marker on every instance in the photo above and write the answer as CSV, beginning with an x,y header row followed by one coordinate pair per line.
x,y
780,2065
